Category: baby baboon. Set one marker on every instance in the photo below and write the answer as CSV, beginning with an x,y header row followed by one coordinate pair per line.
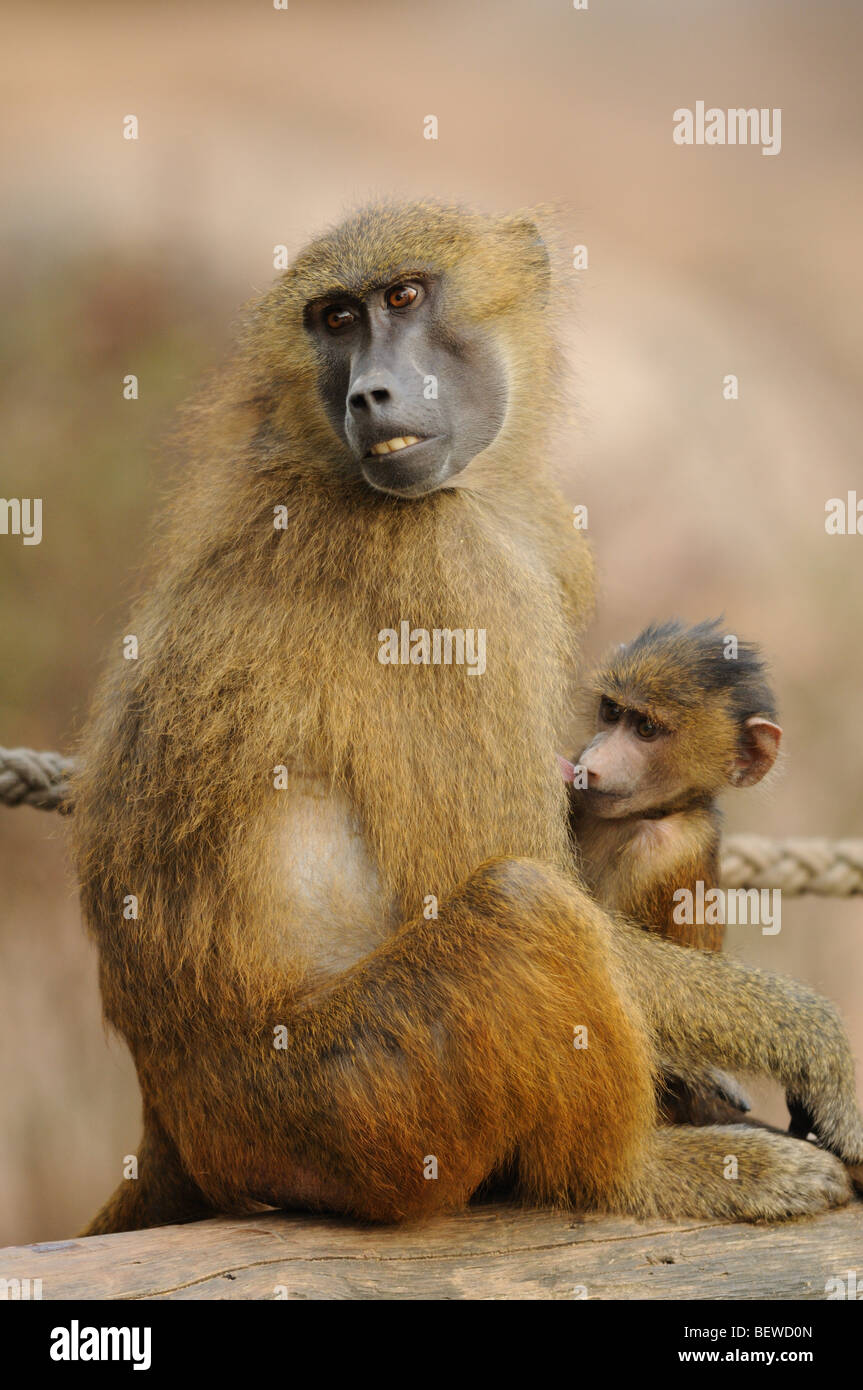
x,y
357,943
679,714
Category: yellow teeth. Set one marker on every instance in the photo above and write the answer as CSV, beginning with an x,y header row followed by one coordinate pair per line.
x,y
392,446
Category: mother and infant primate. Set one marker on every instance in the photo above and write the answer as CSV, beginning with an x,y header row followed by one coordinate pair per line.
x,y
361,939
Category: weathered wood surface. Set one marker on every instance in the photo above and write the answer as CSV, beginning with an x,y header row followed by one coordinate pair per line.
x,y
490,1252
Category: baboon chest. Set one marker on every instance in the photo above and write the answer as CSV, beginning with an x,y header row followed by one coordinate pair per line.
x,y
335,910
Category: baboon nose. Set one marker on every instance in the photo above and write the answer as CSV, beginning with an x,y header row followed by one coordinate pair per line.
x,y
366,395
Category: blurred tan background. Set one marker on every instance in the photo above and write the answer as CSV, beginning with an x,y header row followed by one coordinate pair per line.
x,y
258,127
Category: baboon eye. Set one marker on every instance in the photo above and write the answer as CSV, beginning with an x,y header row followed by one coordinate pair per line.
x,y
339,317
401,296
609,712
646,729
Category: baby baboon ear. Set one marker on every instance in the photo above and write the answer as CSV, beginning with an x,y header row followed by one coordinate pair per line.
x,y
757,753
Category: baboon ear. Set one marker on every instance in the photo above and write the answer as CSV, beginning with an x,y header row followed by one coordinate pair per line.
x,y
525,233
761,739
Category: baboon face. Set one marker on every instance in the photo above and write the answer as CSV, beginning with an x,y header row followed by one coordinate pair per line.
x,y
675,718
413,395
636,763
632,763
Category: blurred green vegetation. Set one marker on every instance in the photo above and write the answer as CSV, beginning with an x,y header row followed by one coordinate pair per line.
x,y
71,331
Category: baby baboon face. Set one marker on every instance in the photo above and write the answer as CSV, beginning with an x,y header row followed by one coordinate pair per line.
x,y
414,395
630,762
677,720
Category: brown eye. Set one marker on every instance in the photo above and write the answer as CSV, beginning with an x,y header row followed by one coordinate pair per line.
x,y
609,712
401,296
339,317
646,729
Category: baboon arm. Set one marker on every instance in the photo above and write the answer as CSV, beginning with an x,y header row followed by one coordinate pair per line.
x,y
706,1009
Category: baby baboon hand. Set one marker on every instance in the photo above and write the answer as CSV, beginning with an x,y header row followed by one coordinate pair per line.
x,y
802,1120
836,1124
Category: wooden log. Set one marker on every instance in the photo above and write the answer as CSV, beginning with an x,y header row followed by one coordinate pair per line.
x,y
488,1252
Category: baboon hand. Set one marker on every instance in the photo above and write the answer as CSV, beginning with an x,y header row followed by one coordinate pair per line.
x,y
837,1126
802,1120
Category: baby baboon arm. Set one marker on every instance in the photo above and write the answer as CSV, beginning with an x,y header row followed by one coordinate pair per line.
x,y
708,1009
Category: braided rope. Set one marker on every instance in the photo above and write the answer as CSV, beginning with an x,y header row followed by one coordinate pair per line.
x,y
828,868
28,778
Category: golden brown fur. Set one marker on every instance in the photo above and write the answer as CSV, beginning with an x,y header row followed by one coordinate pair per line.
x,y
407,1035
636,870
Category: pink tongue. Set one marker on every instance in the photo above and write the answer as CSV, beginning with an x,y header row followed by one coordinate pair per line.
x,y
567,769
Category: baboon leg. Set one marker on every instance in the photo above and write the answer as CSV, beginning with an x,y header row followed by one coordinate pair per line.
x,y
161,1195
737,1173
446,1055
709,1009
